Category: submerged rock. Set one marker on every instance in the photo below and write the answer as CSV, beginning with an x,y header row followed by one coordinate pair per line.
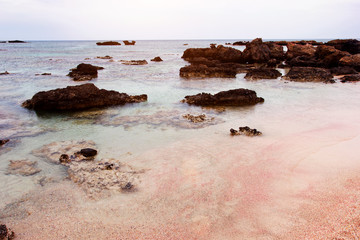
x,y
262,73
350,78
308,74
235,97
22,167
108,43
245,131
79,97
129,42
156,59
3,141
6,233
105,57
204,71
84,72
197,119
134,62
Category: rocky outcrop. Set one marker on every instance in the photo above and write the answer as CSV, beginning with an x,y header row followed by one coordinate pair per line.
x,y
245,131
156,59
219,53
129,42
78,98
22,167
3,141
350,78
262,73
133,62
108,43
308,74
329,56
295,50
351,61
258,51
84,72
235,97
348,45
203,71
6,233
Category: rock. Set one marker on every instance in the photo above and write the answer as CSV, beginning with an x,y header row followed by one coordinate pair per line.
x,y
197,119
43,74
129,42
342,71
328,56
22,167
276,51
185,44
240,43
348,45
109,43
88,152
295,50
64,158
203,71
256,52
3,141
79,97
245,131
4,73
304,61
105,57
134,62
308,74
262,73
156,59
350,78
351,61
272,63
84,72
220,53
235,97
6,233
16,41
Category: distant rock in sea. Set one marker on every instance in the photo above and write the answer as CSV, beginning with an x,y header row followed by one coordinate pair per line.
x,y
308,74
108,43
16,41
129,42
133,62
156,59
79,97
84,72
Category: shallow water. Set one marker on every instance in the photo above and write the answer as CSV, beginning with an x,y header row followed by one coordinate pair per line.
x,y
308,130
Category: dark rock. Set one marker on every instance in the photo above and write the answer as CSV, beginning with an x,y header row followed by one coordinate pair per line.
x,y
16,41
329,56
240,43
6,233
350,78
203,71
276,51
46,74
308,74
351,61
134,62
84,72
235,97
262,73
105,57
304,61
272,63
348,45
4,73
245,131
156,59
295,50
220,53
257,52
213,45
79,97
342,71
109,43
129,42
64,158
3,141
88,152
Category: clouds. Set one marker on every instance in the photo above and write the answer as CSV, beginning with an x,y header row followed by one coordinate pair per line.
x,y
186,19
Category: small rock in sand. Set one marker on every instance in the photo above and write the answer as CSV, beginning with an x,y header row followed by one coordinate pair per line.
x,y
245,131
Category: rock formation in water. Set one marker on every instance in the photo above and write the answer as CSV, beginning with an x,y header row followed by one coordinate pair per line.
x,y
129,42
235,97
245,131
351,61
108,43
350,78
133,62
262,73
105,57
156,59
308,74
351,46
203,71
78,98
84,72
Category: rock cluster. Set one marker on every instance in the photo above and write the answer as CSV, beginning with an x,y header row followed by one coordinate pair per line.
x,y
84,72
78,98
245,131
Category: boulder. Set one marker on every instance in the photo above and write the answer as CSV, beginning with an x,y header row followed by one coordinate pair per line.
x,y
295,50
84,72
129,42
257,52
156,59
203,71
108,43
348,45
350,78
235,97
351,61
276,51
329,56
220,53
262,73
88,152
308,74
134,62
79,97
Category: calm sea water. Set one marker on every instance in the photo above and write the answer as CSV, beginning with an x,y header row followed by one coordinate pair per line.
x,y
158,121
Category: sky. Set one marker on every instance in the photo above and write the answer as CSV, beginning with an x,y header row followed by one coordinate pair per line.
x,y
178,19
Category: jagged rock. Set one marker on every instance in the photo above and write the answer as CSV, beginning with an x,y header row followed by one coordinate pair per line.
x,y
108,43
197,119
295,50
235,97
308,74
351,61
105,57
350,78
22,167
276,51
88,152
4,73
6,233
84,72
342,71
348,45
245,131
328,56
129,42
257,52
134,62
220,53
78,98
156,59
3,141
203,71
262,73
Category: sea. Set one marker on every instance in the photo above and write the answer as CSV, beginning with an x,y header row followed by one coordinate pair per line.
x,y
309,131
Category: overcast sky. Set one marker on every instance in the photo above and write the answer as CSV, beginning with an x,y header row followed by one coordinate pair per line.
x,y
178,19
